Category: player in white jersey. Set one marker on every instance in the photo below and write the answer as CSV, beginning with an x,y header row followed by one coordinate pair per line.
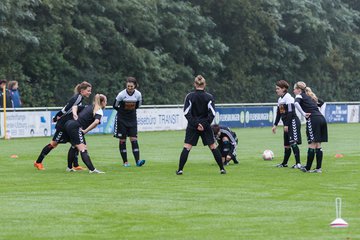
x,y
126,103
286,112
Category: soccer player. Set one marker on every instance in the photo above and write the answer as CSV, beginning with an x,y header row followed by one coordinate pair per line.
x,y
81,90
87,119
227,143
199,110
126,103
292,135
316,127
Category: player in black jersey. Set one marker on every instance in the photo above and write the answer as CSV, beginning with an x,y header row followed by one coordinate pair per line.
x,y
292,134
227,143
87,119
316,127
81,90
126,103
199,110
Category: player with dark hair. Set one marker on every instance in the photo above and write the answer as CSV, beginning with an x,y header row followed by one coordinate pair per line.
x,y
87,119
126,103
316,127
227,143
199,110
81,90
292,134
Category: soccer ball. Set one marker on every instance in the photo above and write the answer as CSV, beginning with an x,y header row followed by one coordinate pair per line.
x,y
268,155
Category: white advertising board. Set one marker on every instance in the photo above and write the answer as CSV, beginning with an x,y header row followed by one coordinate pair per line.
x,y
26,124
161,119
353,114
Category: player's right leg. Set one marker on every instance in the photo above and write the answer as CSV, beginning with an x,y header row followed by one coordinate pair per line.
x,y
45,151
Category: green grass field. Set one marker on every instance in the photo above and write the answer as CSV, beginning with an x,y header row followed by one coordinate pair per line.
x,y
254,200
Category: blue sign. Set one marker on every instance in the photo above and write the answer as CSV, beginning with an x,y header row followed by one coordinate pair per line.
x,y
245,117
336,113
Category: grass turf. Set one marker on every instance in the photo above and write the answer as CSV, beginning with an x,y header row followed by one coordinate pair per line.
x,y
254,200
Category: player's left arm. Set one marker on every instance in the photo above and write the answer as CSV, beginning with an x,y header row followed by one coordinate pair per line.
x,y
211,113
97,121
139,100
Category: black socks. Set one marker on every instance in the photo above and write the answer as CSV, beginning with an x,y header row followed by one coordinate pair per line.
x,y
183,158
44,152
287,154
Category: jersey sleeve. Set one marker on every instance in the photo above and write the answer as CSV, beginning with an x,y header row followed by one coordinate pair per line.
x,y
298,100
99,114
75,100
187,112
118,100
139,99
278,115
211,113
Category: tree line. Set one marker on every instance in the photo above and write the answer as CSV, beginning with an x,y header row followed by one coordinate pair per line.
x,y
241,47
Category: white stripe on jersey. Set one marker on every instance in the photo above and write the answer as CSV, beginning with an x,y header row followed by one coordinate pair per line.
x,y
76,103
231,137
188,108
211,108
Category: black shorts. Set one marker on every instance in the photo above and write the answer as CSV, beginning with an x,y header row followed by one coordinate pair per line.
x,y
293,135
316,129
61,137
192,136
123,129
73,129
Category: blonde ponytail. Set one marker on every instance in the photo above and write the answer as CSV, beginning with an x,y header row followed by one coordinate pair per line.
x,y
311,94
98,99
307,90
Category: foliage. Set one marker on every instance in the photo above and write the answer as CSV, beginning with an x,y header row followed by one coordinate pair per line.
x,y
241,47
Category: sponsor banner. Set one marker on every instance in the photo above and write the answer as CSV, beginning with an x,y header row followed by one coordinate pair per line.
x,y
148,120
26,124
245,117
353,113
161,119
336,113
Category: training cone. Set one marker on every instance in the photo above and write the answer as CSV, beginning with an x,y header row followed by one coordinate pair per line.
x,y
339,155
339,223
14,156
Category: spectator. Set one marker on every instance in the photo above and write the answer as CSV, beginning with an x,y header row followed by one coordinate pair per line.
x,y
15,95
9,102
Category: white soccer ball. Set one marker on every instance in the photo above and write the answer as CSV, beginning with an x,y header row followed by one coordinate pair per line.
x,y
268,155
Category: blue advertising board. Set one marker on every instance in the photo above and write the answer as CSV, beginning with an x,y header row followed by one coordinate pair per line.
x,y
335,113
240,117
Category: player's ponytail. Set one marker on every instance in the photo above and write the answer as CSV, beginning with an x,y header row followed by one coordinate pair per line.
x,y
311,94
307,90
300,85
81,86
98,100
